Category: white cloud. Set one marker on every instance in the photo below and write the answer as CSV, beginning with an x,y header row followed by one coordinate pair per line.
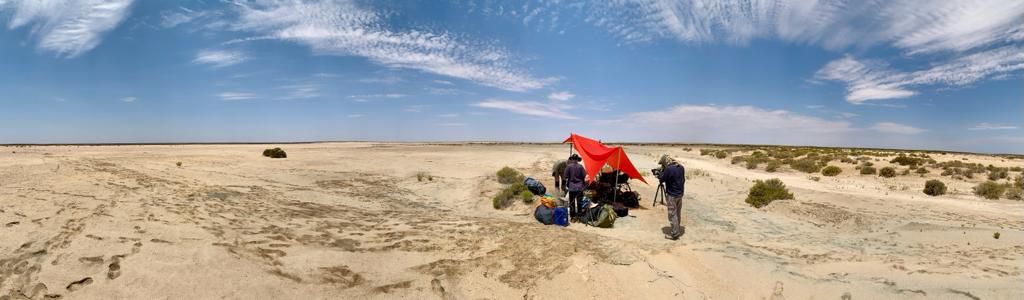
x,y
230,96
300,91
989,126
874,80
889,127
530,108
182,15
347,29
128,99
220,58
355,116
561,96
738,118
382,80
369,96
418,108
445,82
952,25
67,28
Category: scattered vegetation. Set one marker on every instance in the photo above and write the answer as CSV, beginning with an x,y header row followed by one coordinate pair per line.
x,y
764,192
867,170
887,172
696,173
772,166
934,188
805,165
505,197
831,171
275,153
509,176
989,190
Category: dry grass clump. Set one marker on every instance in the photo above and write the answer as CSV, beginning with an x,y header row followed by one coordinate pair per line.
x,y
772,166
934,188
868,170
806,165
989,190
831,171
423,175
764,192
887,172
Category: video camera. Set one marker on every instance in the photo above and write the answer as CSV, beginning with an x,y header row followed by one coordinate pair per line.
x,y
656,172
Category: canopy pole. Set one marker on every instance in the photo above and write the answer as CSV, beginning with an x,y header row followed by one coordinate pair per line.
x,y
618,161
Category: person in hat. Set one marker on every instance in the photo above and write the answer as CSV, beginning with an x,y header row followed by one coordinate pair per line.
x,y
673,175
576,181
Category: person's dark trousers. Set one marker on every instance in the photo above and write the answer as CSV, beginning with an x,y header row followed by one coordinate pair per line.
x,y
574,202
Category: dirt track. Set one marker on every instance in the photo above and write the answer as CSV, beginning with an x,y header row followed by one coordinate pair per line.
x,y
350,220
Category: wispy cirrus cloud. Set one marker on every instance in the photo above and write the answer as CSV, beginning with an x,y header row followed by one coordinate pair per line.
x,y
67,28
348,29
896,128
220,58
233,96
529,108
990,126
128,99
300,91
875,80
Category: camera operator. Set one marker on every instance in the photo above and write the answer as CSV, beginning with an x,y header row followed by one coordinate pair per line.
x,y
673,176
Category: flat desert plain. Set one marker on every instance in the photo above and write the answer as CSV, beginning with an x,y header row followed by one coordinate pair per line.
x,y
351,221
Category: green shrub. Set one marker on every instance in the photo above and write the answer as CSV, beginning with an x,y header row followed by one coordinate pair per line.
x,y
995,235
509,176
275,153
996,174
989,190
772,166
831,171
752,164
867,170
887,172
527,196
922,170
720,154
907,161
805,165
764,192
505,197
934,188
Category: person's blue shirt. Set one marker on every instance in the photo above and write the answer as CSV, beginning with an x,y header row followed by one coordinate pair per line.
x,y
674,177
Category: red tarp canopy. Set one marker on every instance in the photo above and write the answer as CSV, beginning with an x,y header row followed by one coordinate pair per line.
x,y
595,155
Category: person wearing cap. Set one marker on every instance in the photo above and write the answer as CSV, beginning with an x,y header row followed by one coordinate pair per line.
x,y
673,175
575,177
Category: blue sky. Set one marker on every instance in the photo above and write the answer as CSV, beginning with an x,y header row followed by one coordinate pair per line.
x,y
936,75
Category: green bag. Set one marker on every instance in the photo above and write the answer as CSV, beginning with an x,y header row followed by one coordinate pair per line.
x,y
606,218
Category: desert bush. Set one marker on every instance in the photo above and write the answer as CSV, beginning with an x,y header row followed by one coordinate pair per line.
x,y
887,172
921,170
1016,169
704,152
847,160
907,160
275,153
736,159
752,164
1014,193
178,164
1019,181
867,170
505,197
527,196
995,235
720,154
831,171
764,192
772,166
868,164
934,188
989,190
998,173
423,175
509,176
805,165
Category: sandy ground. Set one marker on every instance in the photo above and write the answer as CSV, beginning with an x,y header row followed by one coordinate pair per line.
x,y
350,220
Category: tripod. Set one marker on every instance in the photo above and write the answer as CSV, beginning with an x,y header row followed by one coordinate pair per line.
x,y
659,192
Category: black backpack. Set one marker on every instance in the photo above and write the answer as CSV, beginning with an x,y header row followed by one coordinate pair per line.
x,y
535,186
629,199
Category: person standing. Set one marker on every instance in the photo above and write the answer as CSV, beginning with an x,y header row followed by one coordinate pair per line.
x,y
557,172
576,181
673,175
